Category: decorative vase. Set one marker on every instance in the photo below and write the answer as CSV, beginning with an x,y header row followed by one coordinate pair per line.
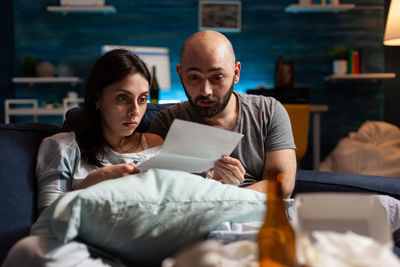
x,y
340,66
49,106
45,69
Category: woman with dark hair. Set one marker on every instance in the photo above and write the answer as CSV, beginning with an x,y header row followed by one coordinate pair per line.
x,y
103,143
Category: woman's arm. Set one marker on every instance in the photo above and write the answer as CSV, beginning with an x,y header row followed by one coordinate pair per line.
x,y
50,176
103,174
118,170
108,173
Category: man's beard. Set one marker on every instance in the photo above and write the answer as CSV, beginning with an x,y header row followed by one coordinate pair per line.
x,y
209,112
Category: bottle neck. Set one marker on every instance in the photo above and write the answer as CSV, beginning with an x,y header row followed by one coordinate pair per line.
x,y
275,203
274,189
154,88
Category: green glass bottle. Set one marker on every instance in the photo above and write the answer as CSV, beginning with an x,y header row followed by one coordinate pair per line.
x,y
154,88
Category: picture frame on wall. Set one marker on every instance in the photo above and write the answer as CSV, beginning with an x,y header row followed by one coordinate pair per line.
x,y
223,16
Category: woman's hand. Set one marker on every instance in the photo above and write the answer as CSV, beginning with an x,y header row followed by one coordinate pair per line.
x,y
108,173
229,170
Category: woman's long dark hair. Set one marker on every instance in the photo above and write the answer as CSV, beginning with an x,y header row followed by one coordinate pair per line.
x,y
110,68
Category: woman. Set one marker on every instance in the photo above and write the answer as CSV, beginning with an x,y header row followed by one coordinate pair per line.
x,y
103,144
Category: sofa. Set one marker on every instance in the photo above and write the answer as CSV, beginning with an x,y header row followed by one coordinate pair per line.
x,y
19,144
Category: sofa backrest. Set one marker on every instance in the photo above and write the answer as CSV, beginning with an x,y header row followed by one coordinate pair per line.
x,y
151,111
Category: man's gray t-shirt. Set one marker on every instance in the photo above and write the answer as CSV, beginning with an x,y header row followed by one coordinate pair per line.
x,y
263,121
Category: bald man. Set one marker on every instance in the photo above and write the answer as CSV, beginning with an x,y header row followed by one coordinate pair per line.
x,y
208,72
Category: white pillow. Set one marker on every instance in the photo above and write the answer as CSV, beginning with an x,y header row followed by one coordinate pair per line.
x,y
147,217
373,150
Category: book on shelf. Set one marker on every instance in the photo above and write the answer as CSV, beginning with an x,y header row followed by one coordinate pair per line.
x,y
354,64
350,61
318,2
361,57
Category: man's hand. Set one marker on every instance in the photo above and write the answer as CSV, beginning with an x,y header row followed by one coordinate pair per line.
x,y
107,173
229,170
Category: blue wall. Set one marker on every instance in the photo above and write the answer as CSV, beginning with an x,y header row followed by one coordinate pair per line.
x,y
267,33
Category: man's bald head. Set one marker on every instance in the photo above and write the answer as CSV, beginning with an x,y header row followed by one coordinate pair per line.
x,y
207,42
208,72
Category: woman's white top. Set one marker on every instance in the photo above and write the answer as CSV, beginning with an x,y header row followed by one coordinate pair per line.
x,y
60,168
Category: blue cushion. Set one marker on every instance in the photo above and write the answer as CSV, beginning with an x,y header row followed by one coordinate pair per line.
x,y
19,144
151,111
396,251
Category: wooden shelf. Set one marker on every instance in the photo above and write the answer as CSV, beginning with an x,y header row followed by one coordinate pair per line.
x,y
64,10
361,76
32,80
36,111
11,109
296,8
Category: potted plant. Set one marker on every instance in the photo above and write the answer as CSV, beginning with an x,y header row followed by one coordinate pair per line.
x,y
49,104
339,56
28,64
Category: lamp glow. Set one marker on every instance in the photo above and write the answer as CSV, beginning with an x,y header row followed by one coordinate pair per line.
x,y
392,30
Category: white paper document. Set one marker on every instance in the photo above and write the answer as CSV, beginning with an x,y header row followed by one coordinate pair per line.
x,y
192,147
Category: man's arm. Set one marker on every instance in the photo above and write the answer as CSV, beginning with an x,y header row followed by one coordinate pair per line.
x,y
283,161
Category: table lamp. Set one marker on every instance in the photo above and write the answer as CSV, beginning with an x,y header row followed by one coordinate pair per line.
x,y
392,30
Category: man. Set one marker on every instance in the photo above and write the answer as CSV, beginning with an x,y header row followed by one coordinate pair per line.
x,y
208,72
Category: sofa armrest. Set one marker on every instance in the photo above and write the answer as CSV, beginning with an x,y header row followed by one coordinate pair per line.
x,y
19,144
